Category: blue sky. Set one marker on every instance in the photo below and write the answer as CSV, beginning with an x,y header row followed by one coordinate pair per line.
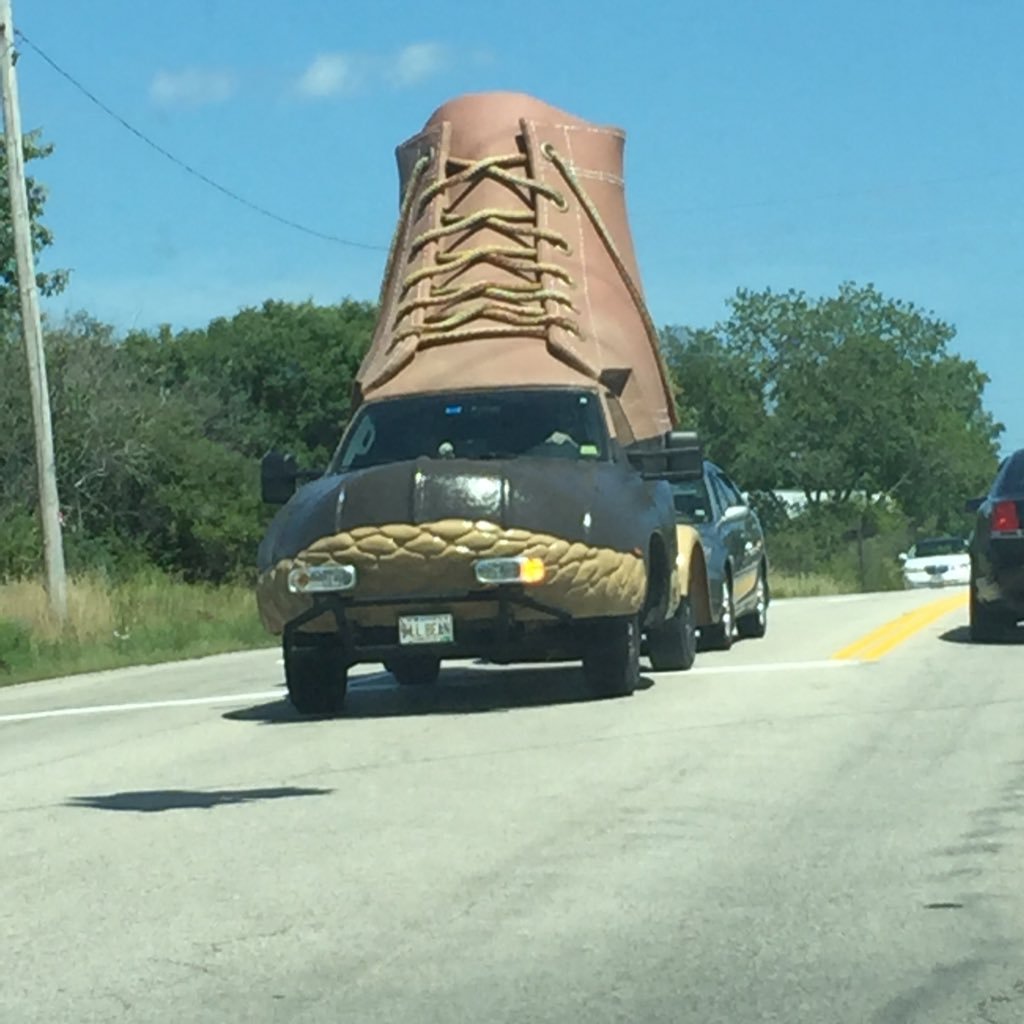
x,y
781,143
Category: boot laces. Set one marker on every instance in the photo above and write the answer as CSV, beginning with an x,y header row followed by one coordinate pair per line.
x,y
522,303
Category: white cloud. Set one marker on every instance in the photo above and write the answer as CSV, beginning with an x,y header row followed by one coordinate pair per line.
x,y
192,87
331,74
342,74
416,62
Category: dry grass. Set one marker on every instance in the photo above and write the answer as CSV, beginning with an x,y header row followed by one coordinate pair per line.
x,y
145,619
806,585
90,609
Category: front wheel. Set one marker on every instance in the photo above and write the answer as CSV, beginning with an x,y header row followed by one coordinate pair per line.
x,y
754,625
718,636
672,646
316,674
611,662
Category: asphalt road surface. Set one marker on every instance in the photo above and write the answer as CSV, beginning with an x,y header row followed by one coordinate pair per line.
x,y
778,835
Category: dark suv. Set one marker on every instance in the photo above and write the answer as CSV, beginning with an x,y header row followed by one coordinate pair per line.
x,y
997,554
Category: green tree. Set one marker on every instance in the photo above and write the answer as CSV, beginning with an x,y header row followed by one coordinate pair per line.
x,y
850,394
157,436
280,375
718,394
49,284
140,482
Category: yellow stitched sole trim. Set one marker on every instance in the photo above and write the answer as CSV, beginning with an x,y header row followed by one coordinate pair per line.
x,y
438,557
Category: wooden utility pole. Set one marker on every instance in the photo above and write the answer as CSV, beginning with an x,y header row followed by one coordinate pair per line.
x,y
31,327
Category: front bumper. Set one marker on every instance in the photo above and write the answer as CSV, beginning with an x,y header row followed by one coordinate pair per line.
x,y
429,568
504,635
922,580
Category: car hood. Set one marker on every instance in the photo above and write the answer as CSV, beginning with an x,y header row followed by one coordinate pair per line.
x,y
577,501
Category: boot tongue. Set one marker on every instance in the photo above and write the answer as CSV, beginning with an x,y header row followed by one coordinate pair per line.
x,y
485,125
489,123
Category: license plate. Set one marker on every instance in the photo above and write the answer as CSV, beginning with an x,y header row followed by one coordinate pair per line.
x,y
426,629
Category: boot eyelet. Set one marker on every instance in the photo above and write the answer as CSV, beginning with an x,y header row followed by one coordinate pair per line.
x,y
561,203
548,150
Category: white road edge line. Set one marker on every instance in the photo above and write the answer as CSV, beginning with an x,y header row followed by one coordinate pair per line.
x,y
104,709
241,698
780,666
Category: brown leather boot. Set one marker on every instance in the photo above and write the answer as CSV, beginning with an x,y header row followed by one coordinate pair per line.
x,y
513,265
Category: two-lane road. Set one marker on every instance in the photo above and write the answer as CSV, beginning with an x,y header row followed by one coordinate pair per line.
x,y
778,835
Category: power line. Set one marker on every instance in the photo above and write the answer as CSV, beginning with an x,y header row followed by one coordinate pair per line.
x,y
188,167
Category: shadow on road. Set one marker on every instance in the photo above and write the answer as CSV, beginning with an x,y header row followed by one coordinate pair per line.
x,y
458,692
962,635
149,801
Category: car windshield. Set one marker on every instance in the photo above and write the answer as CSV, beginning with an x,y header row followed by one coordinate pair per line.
x,y
514,423
939,546
692,503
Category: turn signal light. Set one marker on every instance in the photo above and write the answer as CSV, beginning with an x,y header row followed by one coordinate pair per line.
x,y
1005,518
510,570
532,571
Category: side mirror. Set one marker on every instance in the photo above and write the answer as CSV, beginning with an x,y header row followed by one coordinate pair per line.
x,y
973,504
902,557
278,475
734,513
676,455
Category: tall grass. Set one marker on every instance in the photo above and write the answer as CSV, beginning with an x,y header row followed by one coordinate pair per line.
x,y
806,584
147,618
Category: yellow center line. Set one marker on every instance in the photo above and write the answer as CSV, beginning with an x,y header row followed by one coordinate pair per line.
x,y
886,638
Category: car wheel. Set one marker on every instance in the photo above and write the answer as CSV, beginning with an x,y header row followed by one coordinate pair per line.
x,y
754,624
414,669
316,675
987,624
718,636
672,646
611,662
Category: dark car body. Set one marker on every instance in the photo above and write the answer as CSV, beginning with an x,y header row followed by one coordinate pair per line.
x,y
997,553
423,488
734,551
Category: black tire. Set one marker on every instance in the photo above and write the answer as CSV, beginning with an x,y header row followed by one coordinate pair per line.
x,y
718,636
611,662
316,674
414,669
754,625
988,625
672,646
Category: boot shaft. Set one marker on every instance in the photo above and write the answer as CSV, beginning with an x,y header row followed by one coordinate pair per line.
x,y
513,265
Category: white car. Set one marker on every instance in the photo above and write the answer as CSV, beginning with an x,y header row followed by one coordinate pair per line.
x,y
937,562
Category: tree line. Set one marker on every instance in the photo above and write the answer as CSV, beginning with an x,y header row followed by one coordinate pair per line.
x,y
857,402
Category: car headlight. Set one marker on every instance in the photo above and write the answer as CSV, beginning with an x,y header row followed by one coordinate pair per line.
x,y
510,570
319,579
